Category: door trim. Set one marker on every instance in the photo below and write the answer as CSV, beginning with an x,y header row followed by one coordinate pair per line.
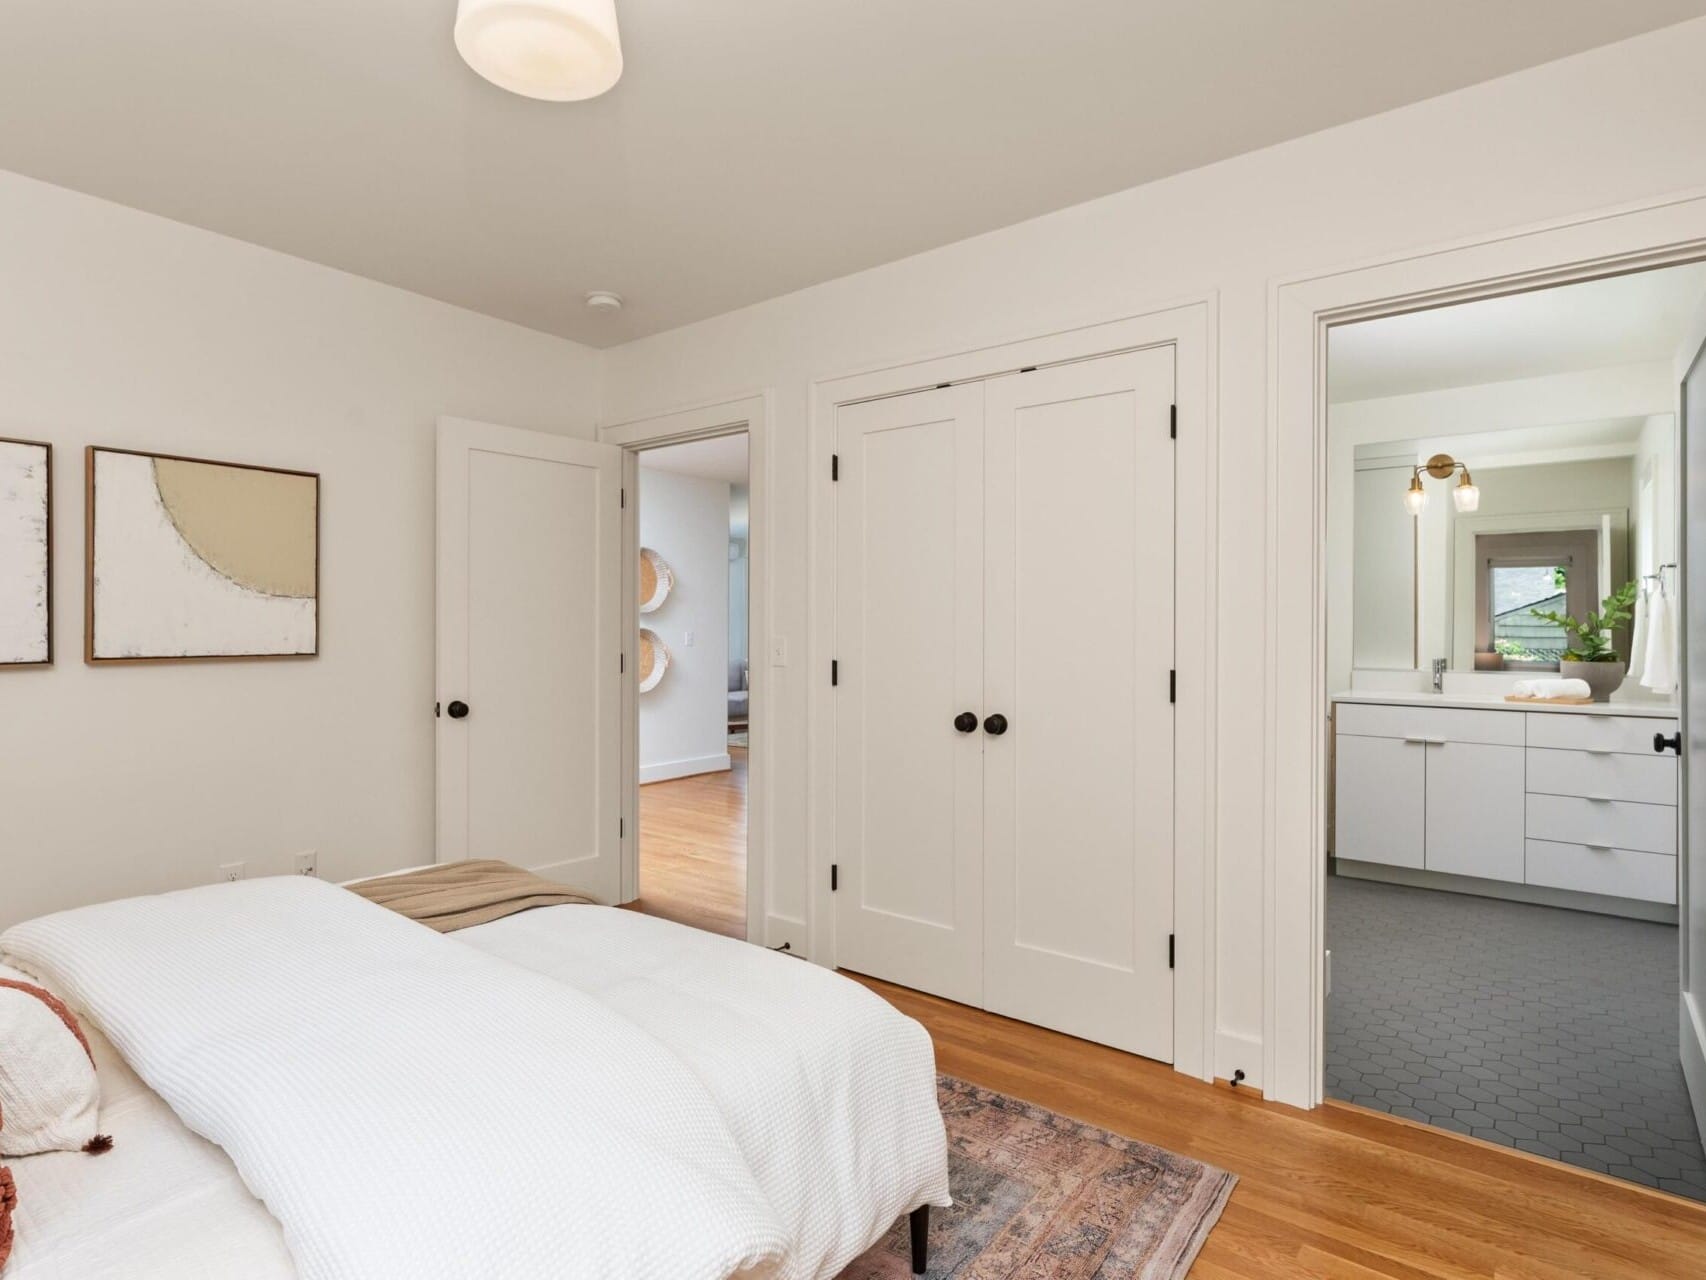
x,y
1301,310
1189,326
750,414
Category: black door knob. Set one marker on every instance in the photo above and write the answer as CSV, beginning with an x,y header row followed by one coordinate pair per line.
x,y
966,722
996,725
457,710
1674,742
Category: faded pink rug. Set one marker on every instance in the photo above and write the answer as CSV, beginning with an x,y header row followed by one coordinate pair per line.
x,y
1039,1196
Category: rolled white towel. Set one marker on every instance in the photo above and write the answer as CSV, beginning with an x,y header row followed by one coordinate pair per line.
x,y
1552,687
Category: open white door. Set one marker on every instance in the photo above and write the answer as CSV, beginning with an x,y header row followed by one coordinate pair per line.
x,y
530,652
1692,890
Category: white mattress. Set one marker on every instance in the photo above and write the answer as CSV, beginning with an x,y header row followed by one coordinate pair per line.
x,y
820,1080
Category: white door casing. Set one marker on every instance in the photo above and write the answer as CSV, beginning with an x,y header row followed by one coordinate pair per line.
x,y
1079,627
529,640
909,659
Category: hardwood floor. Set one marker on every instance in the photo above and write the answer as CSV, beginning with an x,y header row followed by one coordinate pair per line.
x,y
693,849
1333,1194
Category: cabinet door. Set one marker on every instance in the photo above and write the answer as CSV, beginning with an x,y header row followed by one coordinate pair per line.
x,y
1078,795
909,648
1476,803
1380,787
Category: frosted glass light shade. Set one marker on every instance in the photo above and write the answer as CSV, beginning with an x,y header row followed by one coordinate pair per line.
x,y
1415,497
553,50
1467,496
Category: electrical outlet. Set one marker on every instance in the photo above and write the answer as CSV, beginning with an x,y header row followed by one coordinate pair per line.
x,y
779,651
689,638
308,863
232,871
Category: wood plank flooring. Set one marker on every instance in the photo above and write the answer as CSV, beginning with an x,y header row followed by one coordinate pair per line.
x,y
693,849
1333,1194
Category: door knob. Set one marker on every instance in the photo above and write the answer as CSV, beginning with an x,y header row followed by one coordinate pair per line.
x,y
1674,742
966,722
996,725
457,710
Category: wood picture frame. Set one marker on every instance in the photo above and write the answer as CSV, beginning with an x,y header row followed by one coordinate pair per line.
x,y
266,617
46,557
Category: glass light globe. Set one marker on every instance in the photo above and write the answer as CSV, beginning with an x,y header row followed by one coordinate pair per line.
x,y
1415,497
553,50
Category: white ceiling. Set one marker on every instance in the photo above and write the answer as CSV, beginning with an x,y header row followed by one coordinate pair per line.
x,y
1620,320
752,147
720,458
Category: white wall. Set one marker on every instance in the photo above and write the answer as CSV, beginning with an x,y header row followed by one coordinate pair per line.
x,y
684,722
120,328
1616,125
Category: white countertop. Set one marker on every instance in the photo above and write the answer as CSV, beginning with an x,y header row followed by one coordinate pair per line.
x,y
1655,710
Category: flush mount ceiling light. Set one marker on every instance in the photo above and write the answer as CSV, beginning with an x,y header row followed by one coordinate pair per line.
x,y
603,300
1465,497
553,50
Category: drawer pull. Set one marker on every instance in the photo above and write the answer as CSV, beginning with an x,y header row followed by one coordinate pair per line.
x,y
1425,742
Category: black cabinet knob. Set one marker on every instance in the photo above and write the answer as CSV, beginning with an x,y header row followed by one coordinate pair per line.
x,y
966,722
1674,742
996,725
457,710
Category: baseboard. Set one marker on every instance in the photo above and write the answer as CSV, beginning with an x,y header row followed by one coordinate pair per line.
x,y
1234,1053
1694,1057
1533,894
664,770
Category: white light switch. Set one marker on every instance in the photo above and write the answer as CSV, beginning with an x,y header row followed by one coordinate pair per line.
x,y
688,639
779,651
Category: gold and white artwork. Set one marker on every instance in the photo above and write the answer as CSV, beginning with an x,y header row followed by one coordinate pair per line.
x,y
195,559
25,591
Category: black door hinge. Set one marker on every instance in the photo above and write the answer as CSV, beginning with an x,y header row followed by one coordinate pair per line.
x,y
835,466
834,671
621,664
1170,950
1030,368
621,828
834,876
1173,422
624,494
435,711
1172,686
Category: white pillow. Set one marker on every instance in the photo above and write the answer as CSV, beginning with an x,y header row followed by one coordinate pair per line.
x,y
49,1097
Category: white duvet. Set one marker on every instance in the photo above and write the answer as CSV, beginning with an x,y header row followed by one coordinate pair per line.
x,y
405,1105
828,1092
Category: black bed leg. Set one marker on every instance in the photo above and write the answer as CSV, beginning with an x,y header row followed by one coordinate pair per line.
x,y
920,1239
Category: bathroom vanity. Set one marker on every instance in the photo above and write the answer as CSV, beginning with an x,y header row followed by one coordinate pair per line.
x,y
1564,805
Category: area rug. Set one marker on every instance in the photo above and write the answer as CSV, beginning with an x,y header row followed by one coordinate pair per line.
x,y
1039,1196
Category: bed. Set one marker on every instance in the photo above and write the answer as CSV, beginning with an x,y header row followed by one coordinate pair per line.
x,y
825,1091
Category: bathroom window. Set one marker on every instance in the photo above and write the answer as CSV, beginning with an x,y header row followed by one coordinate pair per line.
x,y
1524,572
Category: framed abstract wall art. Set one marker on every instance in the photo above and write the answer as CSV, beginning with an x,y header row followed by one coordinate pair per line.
x,y
26,553
190,559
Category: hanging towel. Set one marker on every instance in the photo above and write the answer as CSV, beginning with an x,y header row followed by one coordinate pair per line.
x,y
1638,637
1658,673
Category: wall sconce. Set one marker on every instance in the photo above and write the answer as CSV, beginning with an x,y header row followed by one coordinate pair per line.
x,y
1465,497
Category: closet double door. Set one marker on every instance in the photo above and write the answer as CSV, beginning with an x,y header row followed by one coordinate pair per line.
x,y
1004,652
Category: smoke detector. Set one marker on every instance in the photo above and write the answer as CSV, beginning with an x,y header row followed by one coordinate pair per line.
x,y
603,300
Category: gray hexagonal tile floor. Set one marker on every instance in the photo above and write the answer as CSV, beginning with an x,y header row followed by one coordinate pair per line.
x,y
1547,1030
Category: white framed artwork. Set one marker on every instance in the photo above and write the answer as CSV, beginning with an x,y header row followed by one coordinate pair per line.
x,y
26,553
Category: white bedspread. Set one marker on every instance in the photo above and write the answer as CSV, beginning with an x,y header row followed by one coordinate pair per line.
x,y
830,1091
405,1105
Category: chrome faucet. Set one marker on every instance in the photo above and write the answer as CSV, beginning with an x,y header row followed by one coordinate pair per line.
x,y
1439,675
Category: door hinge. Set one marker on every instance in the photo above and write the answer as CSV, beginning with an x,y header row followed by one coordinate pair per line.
x,y
621,664
435,710
834,876
1172,422
1171,950
835,466
1030,368
621,828
1172,686
624,494
834,671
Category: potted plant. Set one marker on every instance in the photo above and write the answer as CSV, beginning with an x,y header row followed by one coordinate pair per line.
x,y
1592,658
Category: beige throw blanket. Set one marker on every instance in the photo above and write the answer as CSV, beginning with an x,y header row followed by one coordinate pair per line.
x,y
459,895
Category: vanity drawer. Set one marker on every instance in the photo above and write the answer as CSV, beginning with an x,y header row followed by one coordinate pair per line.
x,y
1432,724
1632,735
1619,873
1614,824
1649,779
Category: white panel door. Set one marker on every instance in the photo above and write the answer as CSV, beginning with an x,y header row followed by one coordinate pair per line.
x,y
909,626
529,649
1078,790
1380,799
1476,810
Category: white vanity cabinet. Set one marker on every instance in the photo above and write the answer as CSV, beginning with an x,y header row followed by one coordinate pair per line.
x,y
1574,801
